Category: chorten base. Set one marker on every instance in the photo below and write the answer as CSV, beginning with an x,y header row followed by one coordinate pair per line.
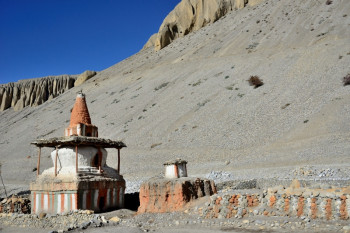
x,y
57,196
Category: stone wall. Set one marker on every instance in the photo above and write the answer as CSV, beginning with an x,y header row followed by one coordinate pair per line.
x,y
33,92
331,204
167,195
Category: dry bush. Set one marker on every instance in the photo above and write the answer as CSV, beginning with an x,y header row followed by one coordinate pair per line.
x,y
161,86
255,81
155,144
329,2
346,80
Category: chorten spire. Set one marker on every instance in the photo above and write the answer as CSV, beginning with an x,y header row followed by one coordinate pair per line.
x,y
80,113
80,121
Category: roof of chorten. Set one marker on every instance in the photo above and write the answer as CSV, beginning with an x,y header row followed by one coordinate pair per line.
x,y
176,161
79,141
80,112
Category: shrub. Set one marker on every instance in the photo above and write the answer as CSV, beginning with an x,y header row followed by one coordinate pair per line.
x,y
230,87
346,80
203,103
197,83
161,86
329,2
286,105
255,81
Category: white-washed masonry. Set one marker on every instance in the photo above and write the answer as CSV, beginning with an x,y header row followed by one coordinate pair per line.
x,y
175,169
80,177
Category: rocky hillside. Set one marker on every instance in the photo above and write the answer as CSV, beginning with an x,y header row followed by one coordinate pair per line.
x,y
191,99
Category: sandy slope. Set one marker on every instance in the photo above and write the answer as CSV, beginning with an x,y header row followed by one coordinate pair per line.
x,y
192,100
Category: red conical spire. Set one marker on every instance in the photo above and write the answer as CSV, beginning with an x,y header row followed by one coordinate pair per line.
x,y
80,121
80,113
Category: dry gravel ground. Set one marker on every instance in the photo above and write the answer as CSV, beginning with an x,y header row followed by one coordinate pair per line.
x,y
180,222
192,100
125,230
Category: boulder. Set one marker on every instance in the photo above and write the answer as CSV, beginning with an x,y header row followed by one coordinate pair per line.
x,y
115,219
84,77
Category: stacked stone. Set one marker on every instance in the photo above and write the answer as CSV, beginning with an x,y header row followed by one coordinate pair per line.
x,y
299,202
15,204
232,206
310,203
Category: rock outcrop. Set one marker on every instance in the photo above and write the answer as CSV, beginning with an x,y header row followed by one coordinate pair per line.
x,y
151,41
84,77
191,15
167,195
33,92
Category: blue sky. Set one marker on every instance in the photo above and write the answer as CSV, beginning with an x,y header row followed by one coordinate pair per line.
x,y
52,37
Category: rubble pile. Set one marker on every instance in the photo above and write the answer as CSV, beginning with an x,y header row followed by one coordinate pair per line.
x,y
79,219
311,171
15,204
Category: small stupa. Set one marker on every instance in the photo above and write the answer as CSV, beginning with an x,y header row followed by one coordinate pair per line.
x,y
175,168
80,177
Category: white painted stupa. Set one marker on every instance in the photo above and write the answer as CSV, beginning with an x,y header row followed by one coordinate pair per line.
x,y
80,177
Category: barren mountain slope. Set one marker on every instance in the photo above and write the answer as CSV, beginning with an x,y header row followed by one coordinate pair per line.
x,y
192,99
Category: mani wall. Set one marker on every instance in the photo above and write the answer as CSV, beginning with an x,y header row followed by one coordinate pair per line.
x,y
294,202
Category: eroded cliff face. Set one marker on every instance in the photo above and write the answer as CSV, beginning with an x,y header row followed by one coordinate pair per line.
x,y
191,15
33,92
